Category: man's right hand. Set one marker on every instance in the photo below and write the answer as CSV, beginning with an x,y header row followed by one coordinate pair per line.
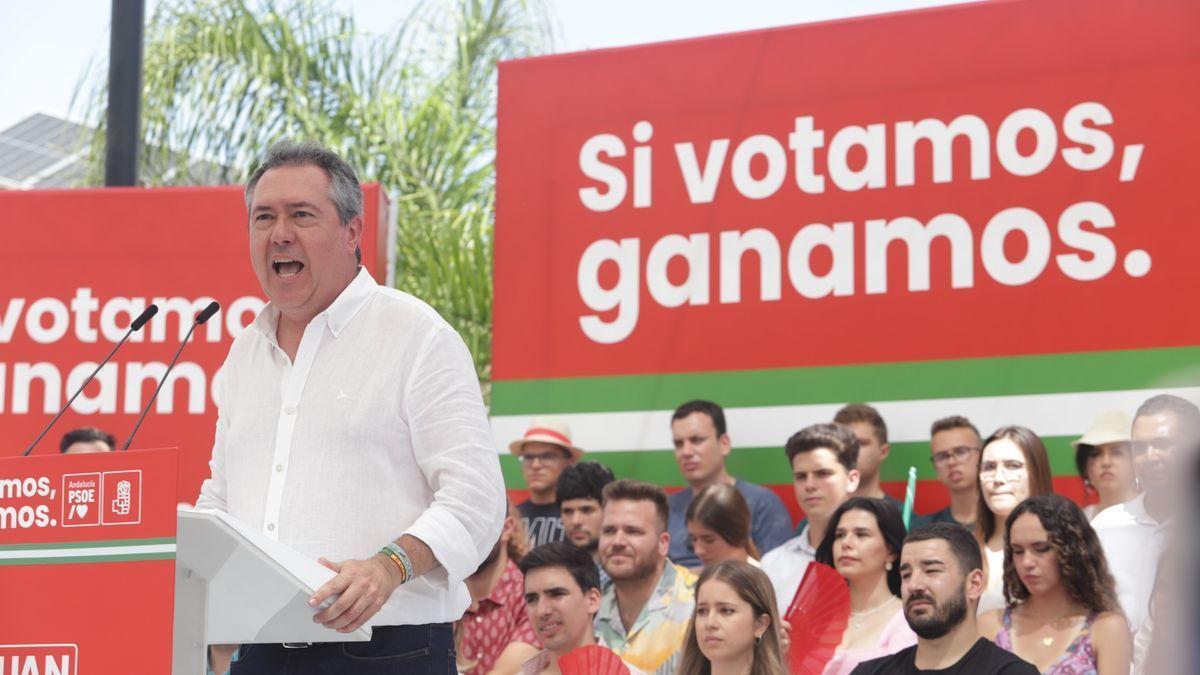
x,y
219,657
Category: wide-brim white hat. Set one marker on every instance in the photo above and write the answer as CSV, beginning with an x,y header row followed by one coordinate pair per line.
x,y
548,430
1111,426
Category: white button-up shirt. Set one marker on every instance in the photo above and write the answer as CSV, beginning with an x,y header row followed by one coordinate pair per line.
x,y
1132,542
376,430
785,566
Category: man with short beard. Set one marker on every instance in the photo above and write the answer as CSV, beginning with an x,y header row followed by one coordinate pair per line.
x,y
941,579
644,614
580,494
562,595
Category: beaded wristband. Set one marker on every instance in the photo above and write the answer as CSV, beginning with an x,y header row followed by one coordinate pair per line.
x,y
398,556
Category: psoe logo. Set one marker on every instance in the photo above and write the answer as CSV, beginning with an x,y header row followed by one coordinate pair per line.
x,y
121,498
46,659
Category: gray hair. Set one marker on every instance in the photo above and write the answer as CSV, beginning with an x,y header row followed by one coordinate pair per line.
x,y
344,190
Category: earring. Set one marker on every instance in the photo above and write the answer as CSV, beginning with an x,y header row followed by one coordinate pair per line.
x,y
888,566
758,638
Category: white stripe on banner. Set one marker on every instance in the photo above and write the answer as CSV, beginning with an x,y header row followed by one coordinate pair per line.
x,y
86,552
1062,414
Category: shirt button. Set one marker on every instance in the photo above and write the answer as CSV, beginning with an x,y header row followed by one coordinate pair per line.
x,y
478,619
278,468
290,410
270,527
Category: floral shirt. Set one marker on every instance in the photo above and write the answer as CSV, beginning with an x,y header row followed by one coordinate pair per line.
x,y
499,620
656,640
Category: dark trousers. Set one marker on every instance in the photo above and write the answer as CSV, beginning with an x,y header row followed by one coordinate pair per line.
x,y
420,650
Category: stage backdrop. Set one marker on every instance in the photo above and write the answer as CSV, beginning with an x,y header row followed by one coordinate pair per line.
x,y
79,265
983,210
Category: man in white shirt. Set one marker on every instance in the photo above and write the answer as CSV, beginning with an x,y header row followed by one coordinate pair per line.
x,y
824,459
351,428
1135,533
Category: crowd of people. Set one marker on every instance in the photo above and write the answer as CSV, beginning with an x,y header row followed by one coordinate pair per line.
x,y
1009,577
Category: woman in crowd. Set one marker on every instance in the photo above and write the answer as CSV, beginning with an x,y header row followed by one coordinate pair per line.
x,y
863,544
718,522
732,631
1012,467
1105,463
1061,610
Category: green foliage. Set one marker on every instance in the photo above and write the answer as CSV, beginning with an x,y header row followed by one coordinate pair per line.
x,y
413,109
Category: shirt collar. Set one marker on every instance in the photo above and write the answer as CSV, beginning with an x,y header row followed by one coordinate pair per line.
x,y
1136,508
611,612
800,544
337,315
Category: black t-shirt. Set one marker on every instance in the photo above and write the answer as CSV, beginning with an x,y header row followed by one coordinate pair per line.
x,y
543,522
984,658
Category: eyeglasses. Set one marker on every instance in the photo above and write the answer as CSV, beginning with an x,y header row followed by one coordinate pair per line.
x,y
960,453
548,458
1012,469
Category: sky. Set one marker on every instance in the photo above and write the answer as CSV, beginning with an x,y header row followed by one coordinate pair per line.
x,y
47,46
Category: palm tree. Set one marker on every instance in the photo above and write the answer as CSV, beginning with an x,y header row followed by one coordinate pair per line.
x,y
413,109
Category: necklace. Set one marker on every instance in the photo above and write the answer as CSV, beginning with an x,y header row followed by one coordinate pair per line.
x,y
857,617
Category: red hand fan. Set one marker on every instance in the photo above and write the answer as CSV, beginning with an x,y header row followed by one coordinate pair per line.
x,y
592,660
818,616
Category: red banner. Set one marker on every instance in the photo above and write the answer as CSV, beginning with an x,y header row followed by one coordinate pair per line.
x,y
961,182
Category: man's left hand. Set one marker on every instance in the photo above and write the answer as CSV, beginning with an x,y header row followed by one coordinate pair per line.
x,y
362,586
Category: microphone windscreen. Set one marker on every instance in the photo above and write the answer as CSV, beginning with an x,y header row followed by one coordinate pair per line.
x,y
142,318
207,312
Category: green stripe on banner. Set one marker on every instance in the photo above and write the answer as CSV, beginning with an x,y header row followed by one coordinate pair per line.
x,y
769,465
87,544
87,559
957,378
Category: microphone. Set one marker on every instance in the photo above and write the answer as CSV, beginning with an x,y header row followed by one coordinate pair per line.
x,y
137,324
204,315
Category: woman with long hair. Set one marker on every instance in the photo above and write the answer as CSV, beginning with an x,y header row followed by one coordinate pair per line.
x,y
1105,461
1013,467
1061,610
733,628
718,523
862,542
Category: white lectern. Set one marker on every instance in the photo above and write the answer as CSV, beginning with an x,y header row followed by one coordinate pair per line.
x,y
232,589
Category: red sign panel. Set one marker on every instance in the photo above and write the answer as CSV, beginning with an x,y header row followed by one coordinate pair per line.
x,y
87,549
961,182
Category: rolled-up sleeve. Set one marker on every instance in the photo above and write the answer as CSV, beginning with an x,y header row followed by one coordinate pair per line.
x,y
452,445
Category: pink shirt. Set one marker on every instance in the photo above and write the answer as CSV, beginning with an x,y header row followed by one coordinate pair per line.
x,y
896,635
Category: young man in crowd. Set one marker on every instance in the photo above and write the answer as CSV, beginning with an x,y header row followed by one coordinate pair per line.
x,y
954,447
495,633
562,597
580,494
544,451
941,572
868,427
823,459
1164,440
701,446
644,614
85,440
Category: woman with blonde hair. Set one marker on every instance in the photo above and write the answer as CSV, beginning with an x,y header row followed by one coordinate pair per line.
x,y
733,630
718,523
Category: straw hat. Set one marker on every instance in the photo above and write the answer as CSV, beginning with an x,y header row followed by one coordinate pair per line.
x,y
548,430
1111,426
